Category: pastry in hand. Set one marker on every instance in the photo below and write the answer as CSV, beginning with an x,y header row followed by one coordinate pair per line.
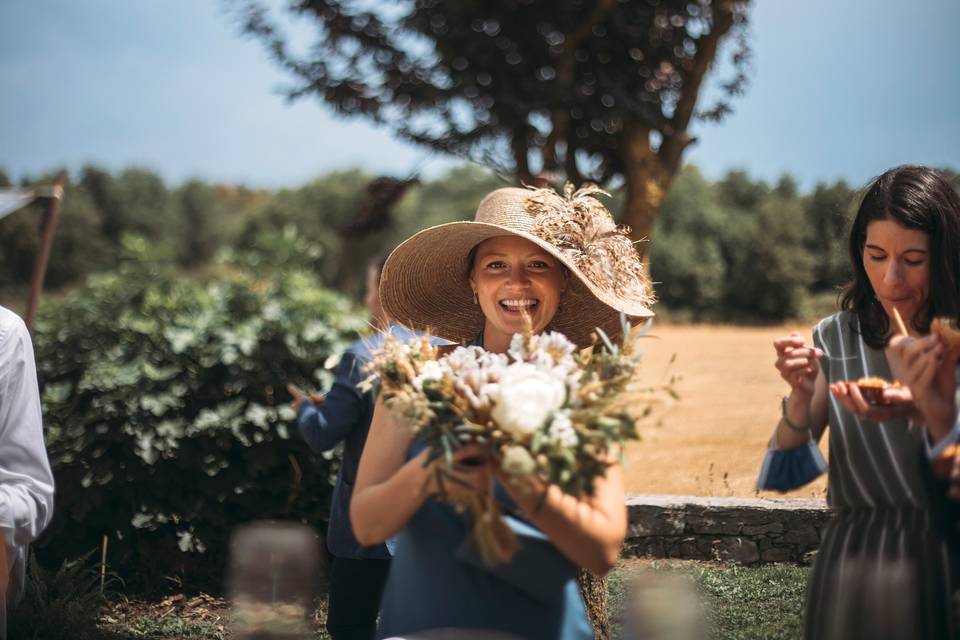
x,y
943,464
872,389
948,332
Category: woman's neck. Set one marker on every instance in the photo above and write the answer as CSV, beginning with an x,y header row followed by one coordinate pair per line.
x,y
495,341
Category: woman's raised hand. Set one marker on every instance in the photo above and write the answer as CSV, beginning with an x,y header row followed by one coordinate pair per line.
x,y
797,363
470,475
300,396
926,367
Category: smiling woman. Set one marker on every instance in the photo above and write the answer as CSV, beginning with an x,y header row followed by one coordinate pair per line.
x,y
529,257
430,281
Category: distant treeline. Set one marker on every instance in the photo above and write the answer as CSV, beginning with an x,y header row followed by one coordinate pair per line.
x,y
735,249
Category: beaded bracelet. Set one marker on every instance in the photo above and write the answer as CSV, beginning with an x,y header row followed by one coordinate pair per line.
x,y
786,420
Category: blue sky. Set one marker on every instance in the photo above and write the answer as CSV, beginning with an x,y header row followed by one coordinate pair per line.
x,y
839,90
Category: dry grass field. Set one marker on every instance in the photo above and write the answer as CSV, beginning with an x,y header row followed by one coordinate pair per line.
x,y
711,442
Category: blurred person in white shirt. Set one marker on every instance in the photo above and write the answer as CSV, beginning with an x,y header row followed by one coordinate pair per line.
x,y
26,482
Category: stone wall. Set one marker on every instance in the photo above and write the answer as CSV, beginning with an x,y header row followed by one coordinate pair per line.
x,y
748,531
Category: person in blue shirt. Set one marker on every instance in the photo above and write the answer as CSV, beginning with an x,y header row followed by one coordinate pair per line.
x,y
357,572
561,261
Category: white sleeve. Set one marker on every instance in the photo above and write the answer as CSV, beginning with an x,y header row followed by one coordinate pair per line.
x,y
26,482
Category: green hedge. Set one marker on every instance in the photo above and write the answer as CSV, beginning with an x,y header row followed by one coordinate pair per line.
x,y
167,419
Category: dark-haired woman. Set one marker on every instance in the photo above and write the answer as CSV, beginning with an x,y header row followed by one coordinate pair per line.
x,y
883,568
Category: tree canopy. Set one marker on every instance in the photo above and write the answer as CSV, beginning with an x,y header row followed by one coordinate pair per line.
x,y
735,249
594,91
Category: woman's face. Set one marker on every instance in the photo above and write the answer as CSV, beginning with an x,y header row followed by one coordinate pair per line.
x,y
897,262
511,275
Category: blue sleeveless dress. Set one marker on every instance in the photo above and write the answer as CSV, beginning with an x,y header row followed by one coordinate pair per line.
x,y
438,580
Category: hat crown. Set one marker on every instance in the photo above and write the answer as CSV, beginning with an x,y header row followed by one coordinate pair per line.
x,y
506,207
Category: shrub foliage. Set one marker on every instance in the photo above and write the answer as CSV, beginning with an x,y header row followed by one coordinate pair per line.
x,y
167,418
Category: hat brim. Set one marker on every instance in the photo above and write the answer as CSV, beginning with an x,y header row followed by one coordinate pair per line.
x,y
425,285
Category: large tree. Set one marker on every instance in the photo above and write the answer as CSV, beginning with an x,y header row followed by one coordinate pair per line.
x,y
600,90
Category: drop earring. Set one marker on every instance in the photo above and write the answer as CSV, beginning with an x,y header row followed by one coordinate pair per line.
x,y
476,298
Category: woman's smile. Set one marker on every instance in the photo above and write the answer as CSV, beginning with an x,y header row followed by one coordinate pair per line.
x,y
519,305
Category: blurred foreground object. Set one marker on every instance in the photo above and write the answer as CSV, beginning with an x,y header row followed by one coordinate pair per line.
x,y
272,578
663,607
876,602
26,482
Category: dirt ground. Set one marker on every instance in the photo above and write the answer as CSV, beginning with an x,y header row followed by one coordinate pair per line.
x,y
711,442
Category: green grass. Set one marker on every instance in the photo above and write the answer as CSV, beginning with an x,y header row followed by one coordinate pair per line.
x,y
165,627
758,603
739,603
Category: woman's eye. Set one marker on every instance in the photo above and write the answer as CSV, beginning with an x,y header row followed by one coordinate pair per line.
x,y
495,265
539,264
914,263
878,258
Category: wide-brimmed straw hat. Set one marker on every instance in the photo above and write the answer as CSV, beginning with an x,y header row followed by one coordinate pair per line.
x,y
425,281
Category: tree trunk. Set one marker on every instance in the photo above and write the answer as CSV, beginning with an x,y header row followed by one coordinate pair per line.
x,y
594,592
647,183
519,147
648,173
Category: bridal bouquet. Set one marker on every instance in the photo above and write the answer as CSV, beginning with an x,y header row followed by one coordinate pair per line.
x,y
542,409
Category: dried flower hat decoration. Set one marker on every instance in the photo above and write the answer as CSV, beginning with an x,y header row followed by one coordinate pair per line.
x,y
582,228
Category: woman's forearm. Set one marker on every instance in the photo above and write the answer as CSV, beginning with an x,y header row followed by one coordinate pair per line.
x,y
381,510
798,412
587,534
807,416
938,427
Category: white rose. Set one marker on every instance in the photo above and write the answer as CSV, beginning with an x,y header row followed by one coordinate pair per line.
x,y
525,398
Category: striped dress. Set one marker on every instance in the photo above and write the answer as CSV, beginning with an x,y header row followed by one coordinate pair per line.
x,y
882,570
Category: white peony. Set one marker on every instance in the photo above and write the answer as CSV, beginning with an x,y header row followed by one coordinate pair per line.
x,y
525,398
476,373
549,351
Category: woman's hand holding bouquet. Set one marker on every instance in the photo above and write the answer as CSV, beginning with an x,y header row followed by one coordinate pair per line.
x,y
540,415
